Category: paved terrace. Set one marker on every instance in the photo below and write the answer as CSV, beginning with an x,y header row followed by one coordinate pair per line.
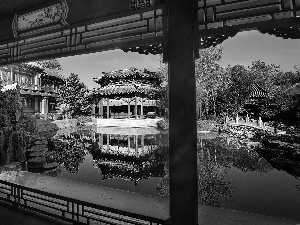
x,y
118,199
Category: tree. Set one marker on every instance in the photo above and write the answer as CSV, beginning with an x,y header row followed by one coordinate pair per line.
x,y
73,97
163,101
52,64
211,79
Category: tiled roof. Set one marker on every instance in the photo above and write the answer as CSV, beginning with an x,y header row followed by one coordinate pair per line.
x,y
257,92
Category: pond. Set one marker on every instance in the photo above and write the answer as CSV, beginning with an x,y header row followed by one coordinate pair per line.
x,y
232,175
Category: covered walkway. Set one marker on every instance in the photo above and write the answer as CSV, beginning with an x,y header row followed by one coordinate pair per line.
x,y
122,200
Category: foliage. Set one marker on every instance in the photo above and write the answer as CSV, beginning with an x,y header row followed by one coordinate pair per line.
x,y
74,97
163,100
211,79
15,128
67,151
40,66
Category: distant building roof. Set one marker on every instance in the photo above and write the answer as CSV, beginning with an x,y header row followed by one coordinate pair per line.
x,y
257,92
295,89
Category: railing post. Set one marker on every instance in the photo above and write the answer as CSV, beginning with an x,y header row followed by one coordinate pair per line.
x,y
247,119
237,118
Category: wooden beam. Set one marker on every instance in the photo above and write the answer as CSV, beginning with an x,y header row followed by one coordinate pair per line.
x,y
182,97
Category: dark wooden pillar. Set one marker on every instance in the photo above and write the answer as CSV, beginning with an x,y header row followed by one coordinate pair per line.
x,y
182,117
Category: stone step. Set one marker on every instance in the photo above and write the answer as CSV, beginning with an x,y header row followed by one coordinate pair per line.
x,y
31,150
37,154
41,142
37,147
51,165
37,162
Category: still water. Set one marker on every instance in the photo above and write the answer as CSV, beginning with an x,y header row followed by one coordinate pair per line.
x,y
232,175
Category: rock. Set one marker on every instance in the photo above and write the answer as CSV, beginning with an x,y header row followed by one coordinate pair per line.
x,y
13,165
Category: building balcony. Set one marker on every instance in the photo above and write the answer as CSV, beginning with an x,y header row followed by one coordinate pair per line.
x,y
38,90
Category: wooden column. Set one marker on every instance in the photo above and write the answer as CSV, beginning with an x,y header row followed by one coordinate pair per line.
x,y
135,107
128,108
142,108
100,141
182,117
143,144
136,145
107,143
36,105
93,110
100,106
107,109
128,145
94,136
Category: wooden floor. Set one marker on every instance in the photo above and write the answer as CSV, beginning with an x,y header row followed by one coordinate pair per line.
x,y
141,204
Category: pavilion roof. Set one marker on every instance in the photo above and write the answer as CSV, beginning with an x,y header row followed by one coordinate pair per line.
x,y
295,89
257,92
126,75
127,90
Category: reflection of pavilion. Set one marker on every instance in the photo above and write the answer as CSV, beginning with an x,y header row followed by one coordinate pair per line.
x,y
130,145
132,157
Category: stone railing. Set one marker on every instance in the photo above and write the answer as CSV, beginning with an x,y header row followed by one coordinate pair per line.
x,y
245,121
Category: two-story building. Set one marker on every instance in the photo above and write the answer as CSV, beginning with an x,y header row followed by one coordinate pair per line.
x,y
38,86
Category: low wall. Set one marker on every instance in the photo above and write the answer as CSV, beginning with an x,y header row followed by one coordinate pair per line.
x,y
125,122
61,124
47,125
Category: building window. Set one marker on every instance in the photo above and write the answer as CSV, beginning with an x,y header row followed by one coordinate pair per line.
x,y
27,102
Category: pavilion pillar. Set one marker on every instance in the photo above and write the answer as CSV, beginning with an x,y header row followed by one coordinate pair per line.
x,y
135,107
107,108
94,136
45,106
36,105
100,141
142,108
143,143
93,110
107,143
182,117
128,145
136,145
100,105
128,108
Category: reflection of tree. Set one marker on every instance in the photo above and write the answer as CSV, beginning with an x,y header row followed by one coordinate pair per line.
x,y
215,157
228,153
212,183
282,152
67,150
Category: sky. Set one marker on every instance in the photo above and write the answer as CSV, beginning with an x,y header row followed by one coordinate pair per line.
x,y
245,48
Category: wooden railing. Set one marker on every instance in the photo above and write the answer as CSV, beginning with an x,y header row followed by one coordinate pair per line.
x,y
68,209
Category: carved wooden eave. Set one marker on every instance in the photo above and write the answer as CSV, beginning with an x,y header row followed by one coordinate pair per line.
x,y
283,32
153,49
70,27
218,19
40,29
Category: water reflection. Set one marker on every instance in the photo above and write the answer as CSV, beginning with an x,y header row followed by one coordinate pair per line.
x,y
129,157
231,174
132,157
